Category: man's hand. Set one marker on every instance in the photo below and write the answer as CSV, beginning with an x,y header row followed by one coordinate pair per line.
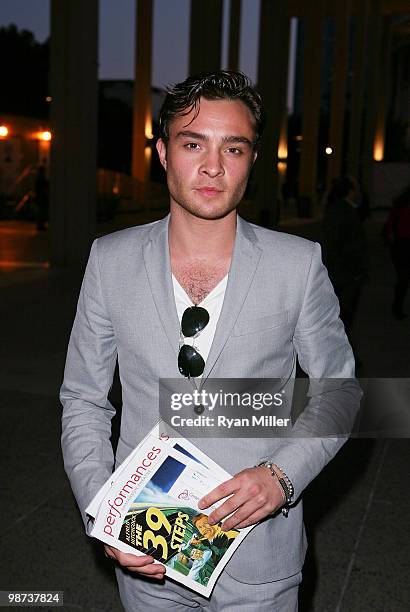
x,y
254,494
135,563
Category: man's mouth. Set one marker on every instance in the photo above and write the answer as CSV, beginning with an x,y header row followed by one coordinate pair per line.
x,y
209,191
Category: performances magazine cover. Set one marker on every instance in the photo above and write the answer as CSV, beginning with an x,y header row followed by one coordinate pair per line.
x,y
150,506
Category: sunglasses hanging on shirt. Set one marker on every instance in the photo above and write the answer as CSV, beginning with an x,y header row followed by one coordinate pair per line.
x,y
190,362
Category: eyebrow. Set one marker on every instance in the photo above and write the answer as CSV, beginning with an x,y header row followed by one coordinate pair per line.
x,y
225,139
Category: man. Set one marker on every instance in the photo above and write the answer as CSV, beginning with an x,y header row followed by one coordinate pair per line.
x,y
396,232
211,532
344,246
268,299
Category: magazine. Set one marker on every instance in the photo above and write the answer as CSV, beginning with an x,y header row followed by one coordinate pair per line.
x,y
149,506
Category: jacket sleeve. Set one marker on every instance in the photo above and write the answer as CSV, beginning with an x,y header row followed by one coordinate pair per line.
x,y
87,413
325,355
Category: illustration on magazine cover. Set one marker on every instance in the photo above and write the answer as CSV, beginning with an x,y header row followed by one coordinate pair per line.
x,y
178,536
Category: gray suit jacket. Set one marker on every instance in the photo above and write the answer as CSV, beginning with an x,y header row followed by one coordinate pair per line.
x,y
279,302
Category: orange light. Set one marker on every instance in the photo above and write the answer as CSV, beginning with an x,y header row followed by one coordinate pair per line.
x,y
45,135
147,154
4,131
283,149
148,128
378,149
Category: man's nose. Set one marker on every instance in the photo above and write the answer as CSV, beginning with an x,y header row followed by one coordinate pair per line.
x,y
212,164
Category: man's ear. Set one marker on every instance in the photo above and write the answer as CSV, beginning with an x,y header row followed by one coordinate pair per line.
x,y
162,152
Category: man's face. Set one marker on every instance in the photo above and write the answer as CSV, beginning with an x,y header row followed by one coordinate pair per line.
x,y
208,159
205,529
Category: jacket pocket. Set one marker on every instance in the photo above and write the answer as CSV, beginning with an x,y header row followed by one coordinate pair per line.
x,y
252,326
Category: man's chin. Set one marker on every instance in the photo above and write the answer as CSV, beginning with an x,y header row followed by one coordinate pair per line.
x,y
213,215
209,213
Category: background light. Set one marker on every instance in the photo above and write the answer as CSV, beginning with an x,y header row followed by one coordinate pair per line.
x,y
378,149
45,135
329,150
3,130
283,150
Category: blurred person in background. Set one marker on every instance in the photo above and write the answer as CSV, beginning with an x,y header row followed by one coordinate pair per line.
x,y
41,191
344,245
397,234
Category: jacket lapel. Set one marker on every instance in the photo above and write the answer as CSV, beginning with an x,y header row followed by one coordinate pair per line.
x,y
245,259
158,266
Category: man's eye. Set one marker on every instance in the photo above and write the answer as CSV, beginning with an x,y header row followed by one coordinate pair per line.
x,y
192,145
235,150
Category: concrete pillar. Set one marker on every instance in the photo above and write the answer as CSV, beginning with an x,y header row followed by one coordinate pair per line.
x,y
358,88
401,108
373,87
142,106
205,35
338,95
234,34
311,104
73,168
272,85
399,73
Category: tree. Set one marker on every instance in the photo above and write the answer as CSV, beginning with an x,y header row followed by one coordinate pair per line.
x,y
24,74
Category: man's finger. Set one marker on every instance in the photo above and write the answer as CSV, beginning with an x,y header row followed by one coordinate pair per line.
x,y
134,560
251,520
152,570
223,490
128,559
225,509
243,514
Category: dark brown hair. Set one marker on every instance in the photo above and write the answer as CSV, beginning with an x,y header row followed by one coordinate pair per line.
x,y
220,85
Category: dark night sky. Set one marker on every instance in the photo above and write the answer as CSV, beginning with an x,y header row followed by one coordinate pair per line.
x,y
117,28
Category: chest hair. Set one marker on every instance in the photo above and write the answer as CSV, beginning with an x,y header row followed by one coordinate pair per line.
x,y
199,278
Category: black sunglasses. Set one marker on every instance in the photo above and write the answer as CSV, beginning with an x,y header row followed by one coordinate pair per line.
x,y
194,320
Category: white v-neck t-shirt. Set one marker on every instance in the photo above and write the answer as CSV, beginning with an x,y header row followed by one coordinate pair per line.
x,y
212,303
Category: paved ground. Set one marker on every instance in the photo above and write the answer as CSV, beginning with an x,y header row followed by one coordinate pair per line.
x,y
357,510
